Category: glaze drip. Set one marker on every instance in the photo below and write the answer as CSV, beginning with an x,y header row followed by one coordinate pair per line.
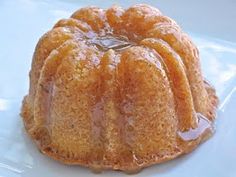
x,y
204,126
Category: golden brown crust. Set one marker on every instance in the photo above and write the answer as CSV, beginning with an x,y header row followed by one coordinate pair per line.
x,y
188,52
213,101
117,89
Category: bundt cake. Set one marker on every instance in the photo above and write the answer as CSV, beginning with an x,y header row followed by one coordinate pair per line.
x,y
117,89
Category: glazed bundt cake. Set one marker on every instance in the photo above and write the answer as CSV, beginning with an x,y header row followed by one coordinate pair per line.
x,y
117,89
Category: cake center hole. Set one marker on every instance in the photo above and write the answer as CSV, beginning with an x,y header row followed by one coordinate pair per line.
x,y
111,42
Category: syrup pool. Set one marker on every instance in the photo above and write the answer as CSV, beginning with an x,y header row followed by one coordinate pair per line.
x,y
111,42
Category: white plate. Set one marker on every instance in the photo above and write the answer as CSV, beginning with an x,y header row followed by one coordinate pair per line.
x,y
24,21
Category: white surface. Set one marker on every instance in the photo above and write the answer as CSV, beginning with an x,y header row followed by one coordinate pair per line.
x,y
24,21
